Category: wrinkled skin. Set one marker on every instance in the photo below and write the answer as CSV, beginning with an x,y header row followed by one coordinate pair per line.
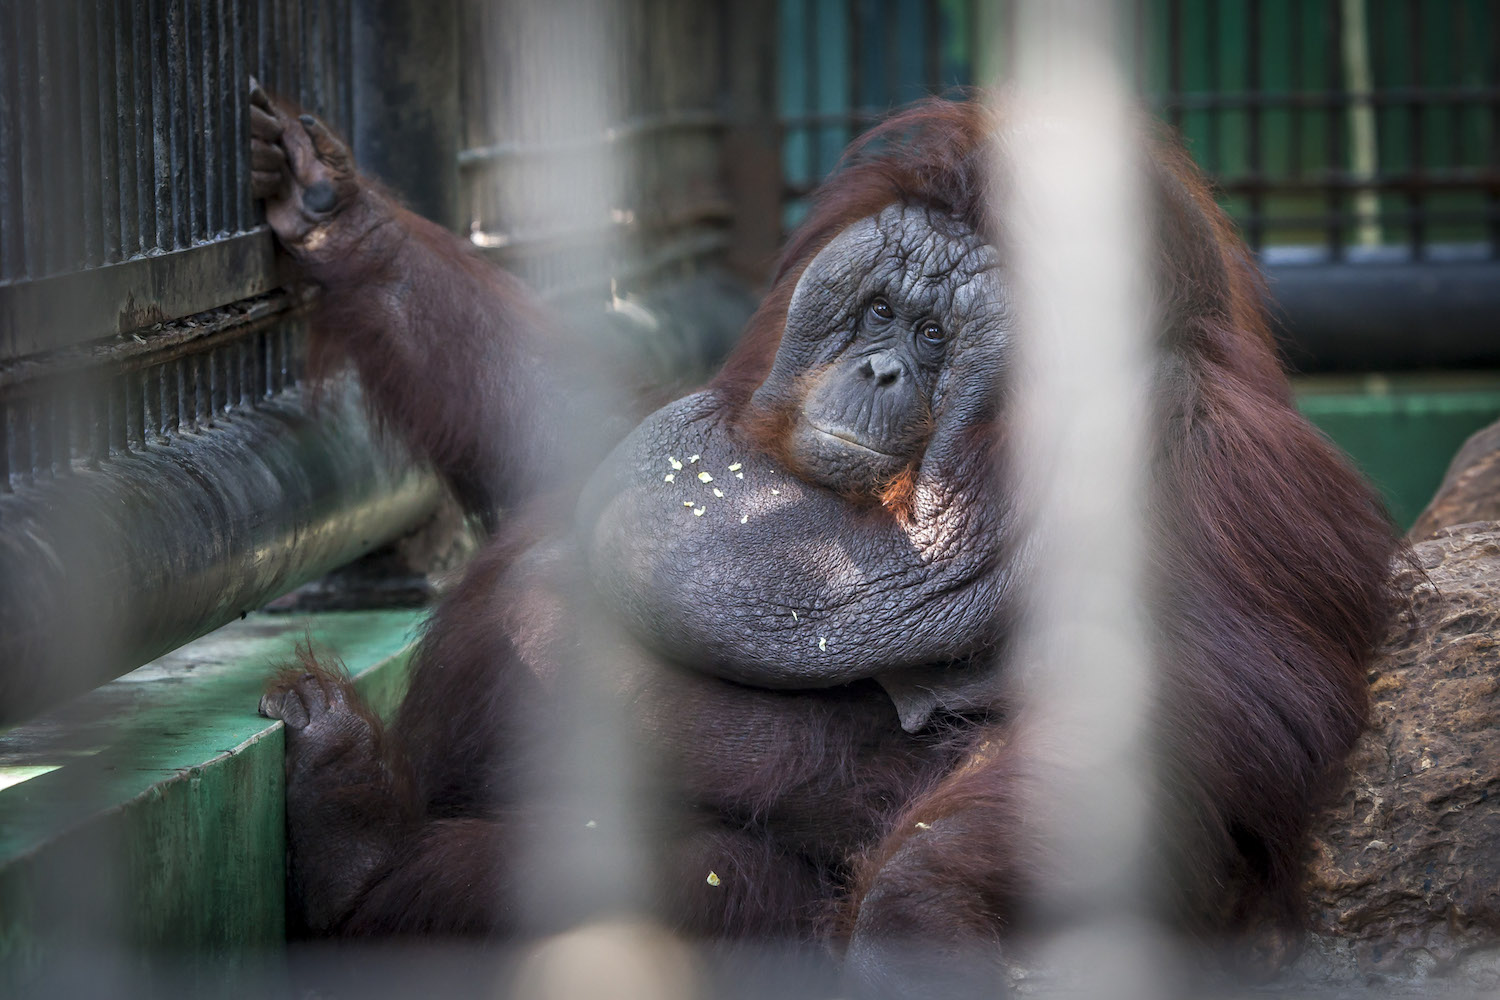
x,y
800,580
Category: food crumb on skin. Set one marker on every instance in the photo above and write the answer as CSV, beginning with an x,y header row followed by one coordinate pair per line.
x,y
823,643
704,477
739,475
744,518
775,491
693,458
718,492
794,615
924,826
713,878
687,503
676,465
668,478
698,511
735,467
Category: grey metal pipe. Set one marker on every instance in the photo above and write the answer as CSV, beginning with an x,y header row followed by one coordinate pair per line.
x,y
104,569
1373,316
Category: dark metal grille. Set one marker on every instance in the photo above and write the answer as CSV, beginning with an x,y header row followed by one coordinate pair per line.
x,y
124,129
124,138
125,209
89,405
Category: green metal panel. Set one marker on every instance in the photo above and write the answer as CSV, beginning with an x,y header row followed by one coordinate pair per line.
x,y
886,59
1402,430
147,816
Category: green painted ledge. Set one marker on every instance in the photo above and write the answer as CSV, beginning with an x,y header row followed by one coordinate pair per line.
x,y
1402,430
145,819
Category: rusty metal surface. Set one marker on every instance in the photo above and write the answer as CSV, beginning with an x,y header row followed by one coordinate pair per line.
x,y
81,306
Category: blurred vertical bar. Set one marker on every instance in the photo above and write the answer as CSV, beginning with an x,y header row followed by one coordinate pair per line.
x,y
28,141
85,73
555,61
1075,218
1363,151
752,146
405,123
108,111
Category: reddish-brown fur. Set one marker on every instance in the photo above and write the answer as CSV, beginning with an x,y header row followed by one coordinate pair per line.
x,y
1270,558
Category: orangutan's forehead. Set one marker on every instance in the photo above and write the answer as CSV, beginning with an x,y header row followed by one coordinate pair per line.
x,y
924,258
928,242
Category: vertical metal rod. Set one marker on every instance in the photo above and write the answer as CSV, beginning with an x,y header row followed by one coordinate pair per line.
x,y
12,261
1459,29
109,112
1174,63
43,184
1081,392
182,416
1359,48
135,411
265,378
61,400
67,174
214,150
249,394
161,191
892,45
23,443
181,178
166,377
39,422
241,39
274,382
1294,118
932,45
91,252
1338,108
1414,196
203,390
148,386
853,10
1255,229
1213,148
213,363
98,422
29,142
293,53
978,74
115,420
127,135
